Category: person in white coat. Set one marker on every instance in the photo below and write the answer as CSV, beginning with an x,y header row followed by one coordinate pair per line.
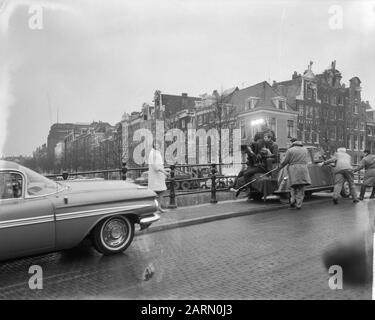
x,y
156,172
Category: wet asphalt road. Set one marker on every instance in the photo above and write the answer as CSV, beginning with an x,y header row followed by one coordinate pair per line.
x,y
274,255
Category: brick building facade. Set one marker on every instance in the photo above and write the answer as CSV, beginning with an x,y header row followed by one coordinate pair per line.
x,y
330,114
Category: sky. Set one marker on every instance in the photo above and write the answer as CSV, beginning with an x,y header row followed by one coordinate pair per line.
x,y
92,60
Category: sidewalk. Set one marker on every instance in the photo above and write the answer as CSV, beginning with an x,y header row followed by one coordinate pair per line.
x,y
185,216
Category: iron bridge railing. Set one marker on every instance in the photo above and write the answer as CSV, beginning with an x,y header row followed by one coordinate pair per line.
x,y
201,178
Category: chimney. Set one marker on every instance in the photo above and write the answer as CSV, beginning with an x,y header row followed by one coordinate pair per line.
x,y
184,94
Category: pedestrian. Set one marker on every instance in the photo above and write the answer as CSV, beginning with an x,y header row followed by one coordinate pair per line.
x,y
296,158
156,172
367,163
342,171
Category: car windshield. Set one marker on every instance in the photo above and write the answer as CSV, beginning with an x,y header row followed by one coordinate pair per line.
x,y
37,185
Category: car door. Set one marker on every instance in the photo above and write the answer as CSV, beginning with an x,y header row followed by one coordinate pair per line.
x,y
27,224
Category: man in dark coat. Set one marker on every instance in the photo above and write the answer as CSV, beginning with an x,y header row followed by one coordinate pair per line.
x,y
296,158
367,163
255,163
273,149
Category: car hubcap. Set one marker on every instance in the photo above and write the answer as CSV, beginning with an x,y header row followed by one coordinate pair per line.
x,y
115,232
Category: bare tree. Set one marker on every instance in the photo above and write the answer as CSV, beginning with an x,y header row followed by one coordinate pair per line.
x,y
224,113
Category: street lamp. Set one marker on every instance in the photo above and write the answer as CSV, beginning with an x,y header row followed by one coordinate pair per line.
x,y
257,122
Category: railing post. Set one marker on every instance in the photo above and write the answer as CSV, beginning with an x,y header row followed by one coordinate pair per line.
x,y
65,175
213,183
172,194
124,170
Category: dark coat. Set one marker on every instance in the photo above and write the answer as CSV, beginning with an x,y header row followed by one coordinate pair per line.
x,y
368,163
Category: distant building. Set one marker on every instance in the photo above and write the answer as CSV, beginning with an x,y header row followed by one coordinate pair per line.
x,y
330,114
57,133
370,126
261,106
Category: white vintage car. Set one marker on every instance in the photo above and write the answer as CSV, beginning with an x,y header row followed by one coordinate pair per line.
x,y
38,215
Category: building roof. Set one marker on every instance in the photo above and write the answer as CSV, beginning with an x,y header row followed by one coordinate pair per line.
x,y
289,89
173,103
263,91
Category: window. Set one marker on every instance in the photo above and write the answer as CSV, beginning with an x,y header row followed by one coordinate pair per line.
x,y
355,143
332,133
340,115
315,137
251,103
200,120
316,111
349,142
309,112
362,142
362,126
356,109
37,185
333,100
243,132
309,93
10,185
325,98
290,127
340,100
307,133
340,133
183,123
281,105
272,124
301,110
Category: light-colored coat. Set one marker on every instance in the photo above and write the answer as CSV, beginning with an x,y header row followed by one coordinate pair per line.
x,y
296,158
156,176
343,161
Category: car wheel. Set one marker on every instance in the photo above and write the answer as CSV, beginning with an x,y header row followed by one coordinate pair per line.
x,y
345,191
113,235
185,185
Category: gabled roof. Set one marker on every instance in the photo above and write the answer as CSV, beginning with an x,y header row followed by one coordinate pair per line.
x,y
289,89
262,91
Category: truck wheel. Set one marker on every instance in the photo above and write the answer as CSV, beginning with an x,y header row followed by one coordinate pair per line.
x,y
256,196
345,191
113,235
308,194
285,198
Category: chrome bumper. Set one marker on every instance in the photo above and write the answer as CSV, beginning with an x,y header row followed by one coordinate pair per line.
x,y
149,220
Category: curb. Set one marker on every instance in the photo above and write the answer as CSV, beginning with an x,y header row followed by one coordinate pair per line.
x,y
221,216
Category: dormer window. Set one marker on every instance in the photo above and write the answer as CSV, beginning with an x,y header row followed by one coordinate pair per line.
x,y
282,105
279,103
251,104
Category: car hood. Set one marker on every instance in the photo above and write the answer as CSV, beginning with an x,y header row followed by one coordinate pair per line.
x,y
102,192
